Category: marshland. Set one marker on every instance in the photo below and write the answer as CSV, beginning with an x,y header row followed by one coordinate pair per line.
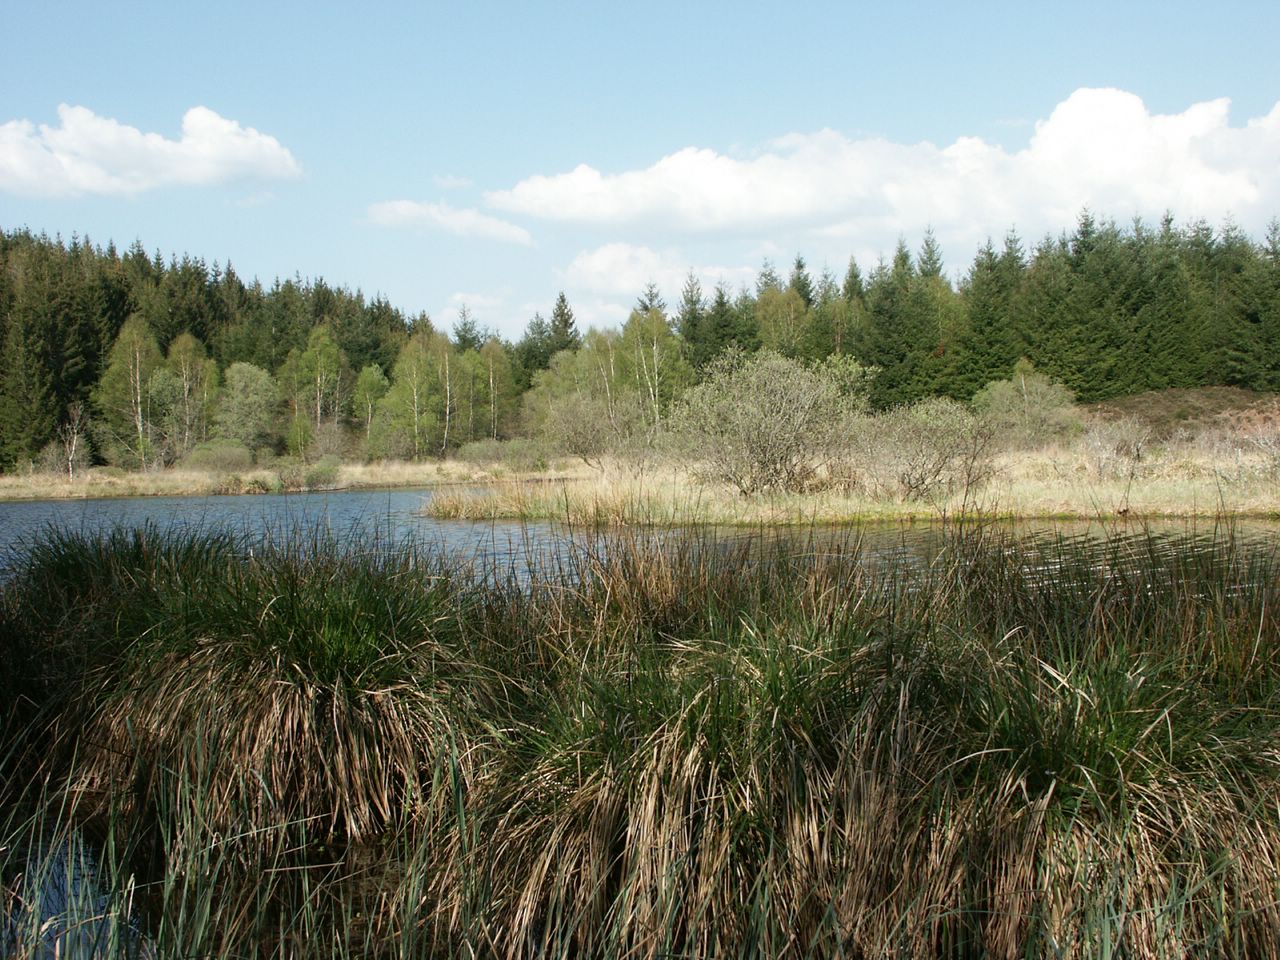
x,y
659,745
706,699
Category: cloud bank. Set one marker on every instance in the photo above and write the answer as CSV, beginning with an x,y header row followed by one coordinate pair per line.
x,y
623,269
89,154
1100,148
462,222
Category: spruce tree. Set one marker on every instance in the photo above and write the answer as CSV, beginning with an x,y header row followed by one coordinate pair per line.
x,y
563,330
800,283
650,299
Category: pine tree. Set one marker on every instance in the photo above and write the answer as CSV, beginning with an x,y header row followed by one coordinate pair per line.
x,y
564,332
929,262
767,279
650,299
853,289
467,334
690,319
800,283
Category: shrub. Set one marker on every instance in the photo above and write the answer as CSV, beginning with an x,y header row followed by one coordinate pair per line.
x,y
1115,448
322,474
1028,409
225,456
927,451
519,454
764,422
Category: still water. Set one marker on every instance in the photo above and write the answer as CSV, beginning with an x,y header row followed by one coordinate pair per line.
x,y
359,518
350,517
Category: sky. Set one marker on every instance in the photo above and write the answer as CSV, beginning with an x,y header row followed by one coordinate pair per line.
x,y
495,154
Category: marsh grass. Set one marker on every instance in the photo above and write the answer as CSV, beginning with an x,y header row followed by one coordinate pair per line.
x,y
660,745
1174,480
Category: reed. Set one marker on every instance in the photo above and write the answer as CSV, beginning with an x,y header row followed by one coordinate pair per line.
x,y
661,745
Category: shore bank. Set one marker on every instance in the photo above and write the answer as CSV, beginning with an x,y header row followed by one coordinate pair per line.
x,y
1049,484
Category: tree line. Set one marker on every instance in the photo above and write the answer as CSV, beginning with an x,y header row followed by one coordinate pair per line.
x,y
134,360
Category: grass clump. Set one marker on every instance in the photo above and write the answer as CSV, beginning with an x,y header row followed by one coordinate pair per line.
x,y
663,746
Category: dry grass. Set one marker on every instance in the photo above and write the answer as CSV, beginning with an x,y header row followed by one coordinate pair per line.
x,y
107,482
1058,483
101,482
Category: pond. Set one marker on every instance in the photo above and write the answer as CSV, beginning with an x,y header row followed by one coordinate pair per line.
x,y
362,517
354,517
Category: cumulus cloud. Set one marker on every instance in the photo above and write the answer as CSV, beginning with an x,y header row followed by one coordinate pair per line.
x,y
86,153
623,269
1100,148
463,222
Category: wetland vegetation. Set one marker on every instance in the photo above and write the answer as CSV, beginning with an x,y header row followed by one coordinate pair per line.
x,y
658,746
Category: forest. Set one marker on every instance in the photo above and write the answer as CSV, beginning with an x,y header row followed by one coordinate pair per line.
x,y
128,359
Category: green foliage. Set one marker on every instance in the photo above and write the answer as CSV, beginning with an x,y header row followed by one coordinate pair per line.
x,y
224,456
1028,409
371,386
763,422
1103,310
407,418
247,410
123,394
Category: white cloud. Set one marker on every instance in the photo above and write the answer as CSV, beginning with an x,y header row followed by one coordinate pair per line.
x,y
476,301
447,181
599,312
1101,148
623,269
86,153
463,222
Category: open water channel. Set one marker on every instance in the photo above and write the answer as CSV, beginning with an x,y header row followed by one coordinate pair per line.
x,y
366,517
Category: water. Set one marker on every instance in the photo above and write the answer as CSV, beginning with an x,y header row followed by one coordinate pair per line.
x,y
350,517
390,516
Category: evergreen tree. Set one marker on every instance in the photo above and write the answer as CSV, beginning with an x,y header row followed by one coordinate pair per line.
x,y
691,318
767,279
533,351
853,289
929,262
719,329
564,332
650,299
800,283
985,350
467,334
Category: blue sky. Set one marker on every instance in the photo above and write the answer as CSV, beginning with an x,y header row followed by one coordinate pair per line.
x,y
494,154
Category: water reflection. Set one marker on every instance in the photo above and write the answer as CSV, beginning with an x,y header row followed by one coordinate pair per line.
x,y
375,519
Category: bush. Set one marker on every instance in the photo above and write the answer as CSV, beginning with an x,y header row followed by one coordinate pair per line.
x,y
1115,448
927,451
1028,409
54,458
224,456
323,474
763,422
518,454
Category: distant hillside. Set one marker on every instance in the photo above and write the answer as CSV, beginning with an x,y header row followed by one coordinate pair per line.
x,y
1193,409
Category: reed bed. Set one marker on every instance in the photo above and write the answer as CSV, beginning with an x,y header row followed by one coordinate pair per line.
x,y
1056,482
660,746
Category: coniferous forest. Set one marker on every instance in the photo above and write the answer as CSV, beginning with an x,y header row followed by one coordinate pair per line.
x,y
149,358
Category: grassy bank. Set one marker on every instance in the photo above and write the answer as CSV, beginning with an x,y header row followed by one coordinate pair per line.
x,y
657,749
175,482
1055,483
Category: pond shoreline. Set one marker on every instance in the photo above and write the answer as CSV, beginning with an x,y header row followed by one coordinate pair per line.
x,y
1023,487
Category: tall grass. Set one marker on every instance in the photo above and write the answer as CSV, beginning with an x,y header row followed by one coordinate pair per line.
x,y
660,746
